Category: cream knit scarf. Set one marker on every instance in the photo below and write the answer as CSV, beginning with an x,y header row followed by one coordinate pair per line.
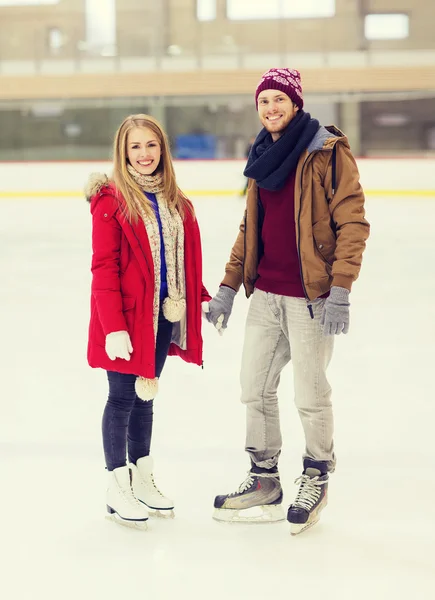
x,y
174,306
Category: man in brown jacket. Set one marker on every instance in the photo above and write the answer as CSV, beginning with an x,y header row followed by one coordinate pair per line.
x,y
297,254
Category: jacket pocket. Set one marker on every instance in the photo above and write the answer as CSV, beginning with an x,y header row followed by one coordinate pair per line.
x,y
96,334
324,241
128,305
128,302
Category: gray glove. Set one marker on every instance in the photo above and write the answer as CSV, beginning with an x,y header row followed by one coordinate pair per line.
x,y
220,307
335,316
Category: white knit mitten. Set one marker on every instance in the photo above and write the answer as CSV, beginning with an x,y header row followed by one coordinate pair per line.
x,y
118,345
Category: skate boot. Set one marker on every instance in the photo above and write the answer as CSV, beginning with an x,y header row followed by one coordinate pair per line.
x,y
122,506
146,490
312,497
258,499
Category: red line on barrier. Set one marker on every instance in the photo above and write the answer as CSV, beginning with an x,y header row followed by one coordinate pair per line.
x,y
210,160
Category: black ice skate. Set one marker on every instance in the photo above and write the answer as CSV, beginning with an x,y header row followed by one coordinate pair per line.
x,y
312,497
258,499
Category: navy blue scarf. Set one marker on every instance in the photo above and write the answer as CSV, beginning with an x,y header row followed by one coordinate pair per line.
x,y
269,162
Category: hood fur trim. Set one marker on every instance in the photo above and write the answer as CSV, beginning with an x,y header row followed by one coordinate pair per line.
x,y
94,184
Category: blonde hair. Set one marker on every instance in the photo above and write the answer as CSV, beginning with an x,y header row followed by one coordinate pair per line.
x,y
127,186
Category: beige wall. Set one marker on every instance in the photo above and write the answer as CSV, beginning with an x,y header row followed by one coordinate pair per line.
x,y
24,30
345,32
140,27
149,27
340,33
421,25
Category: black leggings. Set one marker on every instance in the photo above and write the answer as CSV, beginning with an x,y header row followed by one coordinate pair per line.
x,y
128,420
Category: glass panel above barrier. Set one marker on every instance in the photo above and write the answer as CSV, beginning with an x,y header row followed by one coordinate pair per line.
x,y
210,127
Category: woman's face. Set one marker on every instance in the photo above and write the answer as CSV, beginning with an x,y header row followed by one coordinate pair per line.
x,y
143,150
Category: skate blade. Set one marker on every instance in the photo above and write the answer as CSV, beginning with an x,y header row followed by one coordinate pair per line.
x,y
297,528
268,513
115,518
160,513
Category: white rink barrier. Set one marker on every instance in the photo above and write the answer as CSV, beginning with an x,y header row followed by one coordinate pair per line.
x,y
380,176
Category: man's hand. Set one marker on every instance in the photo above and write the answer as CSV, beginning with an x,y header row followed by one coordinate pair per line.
x,y
335,316
218,310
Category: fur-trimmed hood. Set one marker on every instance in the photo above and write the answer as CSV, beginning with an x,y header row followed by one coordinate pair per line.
x,y
94,184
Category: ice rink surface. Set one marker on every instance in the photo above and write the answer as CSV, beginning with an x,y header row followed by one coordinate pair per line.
x,y
376,539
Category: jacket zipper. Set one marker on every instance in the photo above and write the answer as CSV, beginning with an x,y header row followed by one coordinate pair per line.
x,y
245,218
309,305
198,331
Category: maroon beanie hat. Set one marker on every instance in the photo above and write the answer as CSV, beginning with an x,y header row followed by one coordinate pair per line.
x,y
285,80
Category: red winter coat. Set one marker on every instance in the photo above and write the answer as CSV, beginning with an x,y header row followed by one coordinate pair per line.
x,y
123,288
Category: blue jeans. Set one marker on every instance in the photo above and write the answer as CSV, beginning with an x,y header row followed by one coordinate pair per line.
x,y
128,420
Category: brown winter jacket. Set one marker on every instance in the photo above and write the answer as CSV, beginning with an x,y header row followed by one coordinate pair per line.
x,y
331,230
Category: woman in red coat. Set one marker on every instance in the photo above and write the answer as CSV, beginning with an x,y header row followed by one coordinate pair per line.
x,y
146,303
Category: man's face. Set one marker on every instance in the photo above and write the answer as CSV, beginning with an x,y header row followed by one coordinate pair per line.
x,y
275,110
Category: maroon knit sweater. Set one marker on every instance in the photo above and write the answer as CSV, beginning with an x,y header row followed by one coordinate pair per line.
x,y
278,270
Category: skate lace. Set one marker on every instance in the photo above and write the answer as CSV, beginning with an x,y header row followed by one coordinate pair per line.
x,y
245,485
249,481
129,496
309,491
153,483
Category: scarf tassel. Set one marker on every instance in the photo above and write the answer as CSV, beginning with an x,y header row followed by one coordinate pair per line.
x,y
146,389
174,310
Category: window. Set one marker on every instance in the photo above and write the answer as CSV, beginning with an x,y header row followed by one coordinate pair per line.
x,y
239,10
55,39
101,27
391,120
206,10
386,27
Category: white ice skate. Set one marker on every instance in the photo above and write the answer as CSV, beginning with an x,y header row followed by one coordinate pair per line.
x,y
123,507
147,492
